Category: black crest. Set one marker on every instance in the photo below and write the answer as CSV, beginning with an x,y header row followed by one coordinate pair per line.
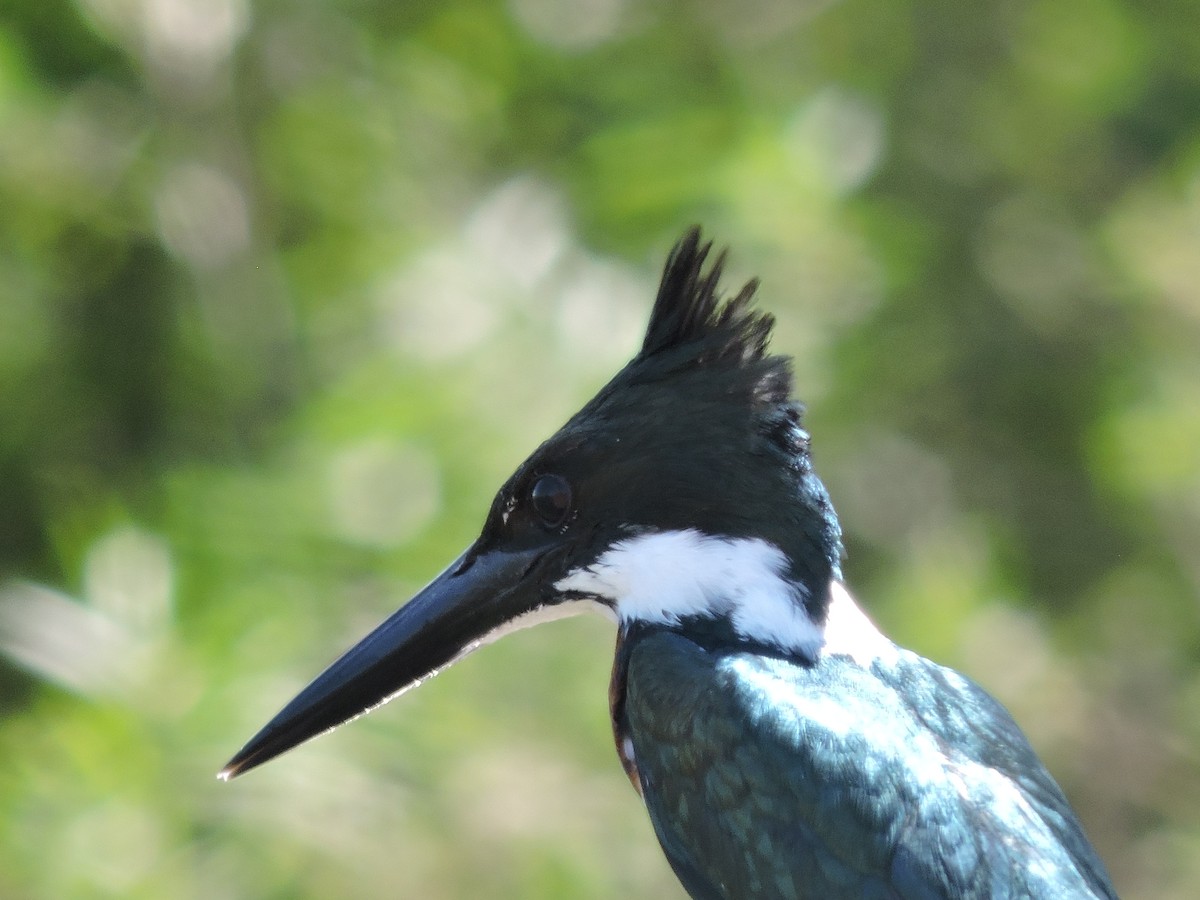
x,y
691,317
689,308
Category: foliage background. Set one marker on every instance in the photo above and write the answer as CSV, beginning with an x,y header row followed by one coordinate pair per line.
x,y
287,288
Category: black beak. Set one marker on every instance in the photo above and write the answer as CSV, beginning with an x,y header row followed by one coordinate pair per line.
x,y
458,611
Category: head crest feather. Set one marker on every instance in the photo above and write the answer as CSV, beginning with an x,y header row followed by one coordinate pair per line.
x,y
689,309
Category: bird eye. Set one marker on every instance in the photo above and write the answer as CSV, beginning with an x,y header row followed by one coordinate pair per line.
x,y
550,498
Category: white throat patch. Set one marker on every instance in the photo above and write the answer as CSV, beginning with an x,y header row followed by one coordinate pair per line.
x,y
667,576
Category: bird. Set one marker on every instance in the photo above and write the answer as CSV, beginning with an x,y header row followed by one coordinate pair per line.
x,y
782,744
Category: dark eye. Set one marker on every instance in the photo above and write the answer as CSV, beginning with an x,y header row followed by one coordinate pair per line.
x,y
550,498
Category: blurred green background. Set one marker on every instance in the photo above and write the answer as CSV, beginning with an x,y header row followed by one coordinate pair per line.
x,y
288,288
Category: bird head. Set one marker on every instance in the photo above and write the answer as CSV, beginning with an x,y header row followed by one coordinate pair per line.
x,y
681,496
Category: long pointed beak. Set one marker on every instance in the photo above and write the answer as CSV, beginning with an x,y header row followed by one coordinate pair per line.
x,y
455,613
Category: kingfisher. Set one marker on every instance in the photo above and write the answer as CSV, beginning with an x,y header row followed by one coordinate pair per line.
x,y
783,746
